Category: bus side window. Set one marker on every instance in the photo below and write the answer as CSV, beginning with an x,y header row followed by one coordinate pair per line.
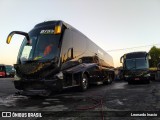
x,y
67,44
79,44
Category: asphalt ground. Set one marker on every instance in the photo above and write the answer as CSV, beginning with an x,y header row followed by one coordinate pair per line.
x,y
118,101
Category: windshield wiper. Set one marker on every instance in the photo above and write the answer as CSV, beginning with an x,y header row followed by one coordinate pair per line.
x,y
29,61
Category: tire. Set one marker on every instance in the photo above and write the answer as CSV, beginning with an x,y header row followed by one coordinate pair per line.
x,y
84,83
109,80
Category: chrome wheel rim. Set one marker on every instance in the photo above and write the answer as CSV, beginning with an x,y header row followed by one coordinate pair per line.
x,y
85,83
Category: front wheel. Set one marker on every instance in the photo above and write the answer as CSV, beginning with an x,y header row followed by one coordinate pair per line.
x,y
84,83
109,80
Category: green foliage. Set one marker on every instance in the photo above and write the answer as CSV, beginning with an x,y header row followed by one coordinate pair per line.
x,y
155,56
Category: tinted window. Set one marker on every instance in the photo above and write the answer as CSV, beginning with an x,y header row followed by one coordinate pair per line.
x,y
9,68
141,63
130,63
42,46
138,63
79,44
67,44
2,68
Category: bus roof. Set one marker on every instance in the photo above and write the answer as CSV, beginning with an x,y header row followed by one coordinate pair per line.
x,y
135,54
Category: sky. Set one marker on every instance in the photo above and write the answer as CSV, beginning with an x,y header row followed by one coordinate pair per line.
x,y
112,24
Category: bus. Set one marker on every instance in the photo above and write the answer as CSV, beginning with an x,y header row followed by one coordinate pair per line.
x,y
10,71
54,56
2,70
157,74
136,67
6,70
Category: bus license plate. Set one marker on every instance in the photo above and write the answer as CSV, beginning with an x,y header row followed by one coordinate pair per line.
x,y
136,78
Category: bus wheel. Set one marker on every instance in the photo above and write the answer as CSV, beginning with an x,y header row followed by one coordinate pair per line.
x,y
109,80
84,83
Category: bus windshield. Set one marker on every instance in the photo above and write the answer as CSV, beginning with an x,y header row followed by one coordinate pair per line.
x,y
9,68
41,47
137,63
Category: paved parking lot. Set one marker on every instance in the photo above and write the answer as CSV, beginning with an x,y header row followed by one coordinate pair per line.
x,y
107,102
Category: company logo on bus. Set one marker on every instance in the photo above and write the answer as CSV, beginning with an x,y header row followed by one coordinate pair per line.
x,y
47,32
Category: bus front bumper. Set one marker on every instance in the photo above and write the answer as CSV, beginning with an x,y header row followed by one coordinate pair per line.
x,y
137,79
36,87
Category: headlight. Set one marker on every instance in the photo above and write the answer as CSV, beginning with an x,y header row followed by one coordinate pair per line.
x,y
147,75
126,76
60,75
16,78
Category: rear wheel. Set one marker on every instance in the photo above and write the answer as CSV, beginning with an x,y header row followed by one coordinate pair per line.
x,y
109,80
84,83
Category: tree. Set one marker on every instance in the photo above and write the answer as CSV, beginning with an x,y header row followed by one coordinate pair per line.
x,y
155,56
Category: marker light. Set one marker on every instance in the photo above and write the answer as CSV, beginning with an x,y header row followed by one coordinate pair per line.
x,y
57,29
9,38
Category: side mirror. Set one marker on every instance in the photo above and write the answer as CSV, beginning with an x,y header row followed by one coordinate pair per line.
x,y
121,59
17,32
148,56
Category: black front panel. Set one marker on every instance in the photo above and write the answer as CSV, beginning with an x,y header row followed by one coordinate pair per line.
x,y
36,70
